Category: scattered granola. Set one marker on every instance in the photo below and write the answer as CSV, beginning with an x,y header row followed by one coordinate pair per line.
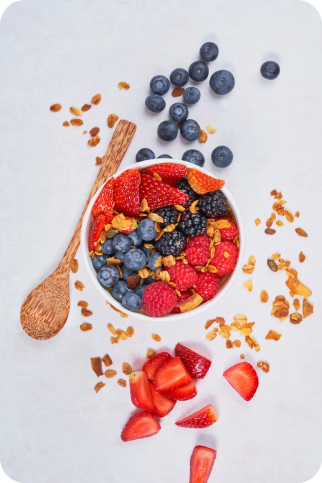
x,y
237,343
297,287
229,344
203,136
296,304
249,285
97,366
76,122
93,141
211,335
123,85
82,304
86,107
283,265
156,337
121,382
98,386
150,353
264,366
270,231
302,257
66,123
307,308
126,368
296,318
279,223
301,232
110,373
76,112
264,296
86,313
86,327
257,222
209,323
94,131
280,307
56,107
252,343
177,92
210,129
74,265
107,360
79,285
242,356
111,120
297,214
272,335
96,99
98,161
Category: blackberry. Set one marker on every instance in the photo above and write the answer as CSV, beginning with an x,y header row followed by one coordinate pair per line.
x,y
171,243
185,187
192,224
169,215
213,204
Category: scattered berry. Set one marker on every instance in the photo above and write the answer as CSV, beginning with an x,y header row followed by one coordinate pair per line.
x,y
190,130
134,259
243,378
201,463
144,154
222,82
184,393
162,404
155,103
170,173
168,131
146,229
179,77
142,424
225,264
122,243
151,365
203,418
213,204
207,285
158,299
108,276
228,234
169,215
194,156
132,301
107,247
135,237
185,187
159,194
126,192
202,183
104,202
179,112
154,261
192,224
197,365
191,95
165,156
172,243
198,71
197,255
209,51
119,290
199,241
140,392
98,227
222,157
184,296
270,70
170,375
184,276
98,261
159,85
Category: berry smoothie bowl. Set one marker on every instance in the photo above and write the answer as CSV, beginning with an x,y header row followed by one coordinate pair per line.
x,y
162,239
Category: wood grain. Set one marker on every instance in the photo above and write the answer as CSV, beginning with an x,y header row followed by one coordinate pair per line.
x,y
45,310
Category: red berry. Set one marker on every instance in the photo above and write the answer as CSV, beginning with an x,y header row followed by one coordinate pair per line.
x,y
243,378
159,194
201,463
158,299
207,285
203,418
197,255
126,192
162,404
141,425
98,227
199,241
197,365
170,375
151,365
104,202
225,258
184,276
140,392
170,173
201,183
184,296
184,393
228,234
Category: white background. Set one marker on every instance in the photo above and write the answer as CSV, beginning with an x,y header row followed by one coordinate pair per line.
x,y
53,425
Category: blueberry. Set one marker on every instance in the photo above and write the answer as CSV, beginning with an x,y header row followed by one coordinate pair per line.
x,y
159,84
132,302
153,260
140,290
191,95
107,246
190,130
194,156
119,255
179,77
108,276
135,259
136,239
209,51
147,251
222,82
120,289
149,280
198,71
146,229
168,131
270,70
98,261
155,103
165,156
144,154
122,243
179,112
222,157
127,272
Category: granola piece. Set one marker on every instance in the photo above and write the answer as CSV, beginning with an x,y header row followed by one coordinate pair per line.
x,y
242,356
86,312
209,323
257,222
224,334
99,386
296,304
264,366
307,308
96,99
248,269
56,107
269,222
211,335
129,331
86,107
237,343
297,214
96,363
276,256
111,328
114,340
249,285
107,360
210,129
297,287
79,285
302,257
241,318
279,223
283,265
291,272
177,92
86,327
252,343
94,141
75,111
270,231
126,368
156,337
121,382
203,136
150,353
229,344
273,335
123,85
301,232
264,296
74,265
296,318
110,373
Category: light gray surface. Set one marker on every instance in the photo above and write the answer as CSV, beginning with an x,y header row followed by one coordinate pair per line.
x,y
53,426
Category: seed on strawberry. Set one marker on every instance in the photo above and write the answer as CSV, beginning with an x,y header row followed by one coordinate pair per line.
x,y
170,173
201,183
243,378
151,365
104,202
207,285
141,425
126,192
159,194
203,418
201,463
197,255
98,227
225,258
197,365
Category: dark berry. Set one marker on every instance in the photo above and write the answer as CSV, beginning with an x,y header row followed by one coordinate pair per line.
x,y
119,255
191,95
209,51
179,77
190,130
155,103
149,280
135,237
122,243
132,302
171,243
127,272
179,112
108,276
169,215
153,265
99,261
108,247
140,290
119,290
222,82
144,154
213,204
159,85
134,259
146,229
192,224
270,70
145,250
185,187
222,156
168,131
194,156
165,156
198,71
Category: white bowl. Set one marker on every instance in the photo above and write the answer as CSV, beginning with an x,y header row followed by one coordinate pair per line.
x,y
87,224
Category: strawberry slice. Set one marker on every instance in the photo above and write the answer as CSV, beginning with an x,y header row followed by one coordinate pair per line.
x,y
183,393
197,365
126,192
243,378
170,375
159,194
203,418
140,391
162,404
98,227
170,173
201,183
141,425
151,365
201,463
104,202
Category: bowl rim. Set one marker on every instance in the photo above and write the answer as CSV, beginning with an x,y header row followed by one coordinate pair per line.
x,y
170,317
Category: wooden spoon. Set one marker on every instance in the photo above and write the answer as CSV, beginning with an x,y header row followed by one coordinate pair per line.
x,y
45,310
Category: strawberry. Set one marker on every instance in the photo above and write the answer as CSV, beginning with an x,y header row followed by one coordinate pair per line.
x,y
132,227
203,418
151,365
170,375
183,393
243,378
97,228
170,173
140,391
201,183
126,192
141,425
162,404
197,365
104,202
201,463
159,194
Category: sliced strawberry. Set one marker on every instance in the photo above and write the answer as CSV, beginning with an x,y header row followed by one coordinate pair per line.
x,y
132,227
243,378
162,404
104,202
141,425
140,391
126,192
201,463
201,183
203,418
151,365
183,393
170,375
197,365
98,227
159,194
170,173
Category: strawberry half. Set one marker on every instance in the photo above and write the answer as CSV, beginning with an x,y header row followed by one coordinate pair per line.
x,y
162,404
183,393
159,194
140,391
104,203
197,365
126,192
170,173
151,365
201,183
98,227
243,378
170,375
201,463
141,425
203,418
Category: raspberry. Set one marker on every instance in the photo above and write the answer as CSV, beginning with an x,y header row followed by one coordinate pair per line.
x,y
225,264
184,296
199,241
158,299
184,276
228,234
207,285
197,255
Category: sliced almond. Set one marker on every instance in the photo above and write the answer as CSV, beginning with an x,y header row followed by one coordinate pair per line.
x,y
210,129
307,308
273,335
190,304
249,285
86,327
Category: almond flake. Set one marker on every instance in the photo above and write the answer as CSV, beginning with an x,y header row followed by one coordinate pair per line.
x,y
177,92
56,107
110,373
76,112
126,368
99,386
193,207
275,256
66,123
307,308
155,217
210,129
144,205
301,232
273,335
129,331
257,222
96,99
279,223
159,235
203,136
94,141
302,257
209,323
237,343
150,353
179,208
212,269
107,360
79,285
158,262
297,214
123,85
248,269
211,335
86,327
224,334
111,120
264,296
